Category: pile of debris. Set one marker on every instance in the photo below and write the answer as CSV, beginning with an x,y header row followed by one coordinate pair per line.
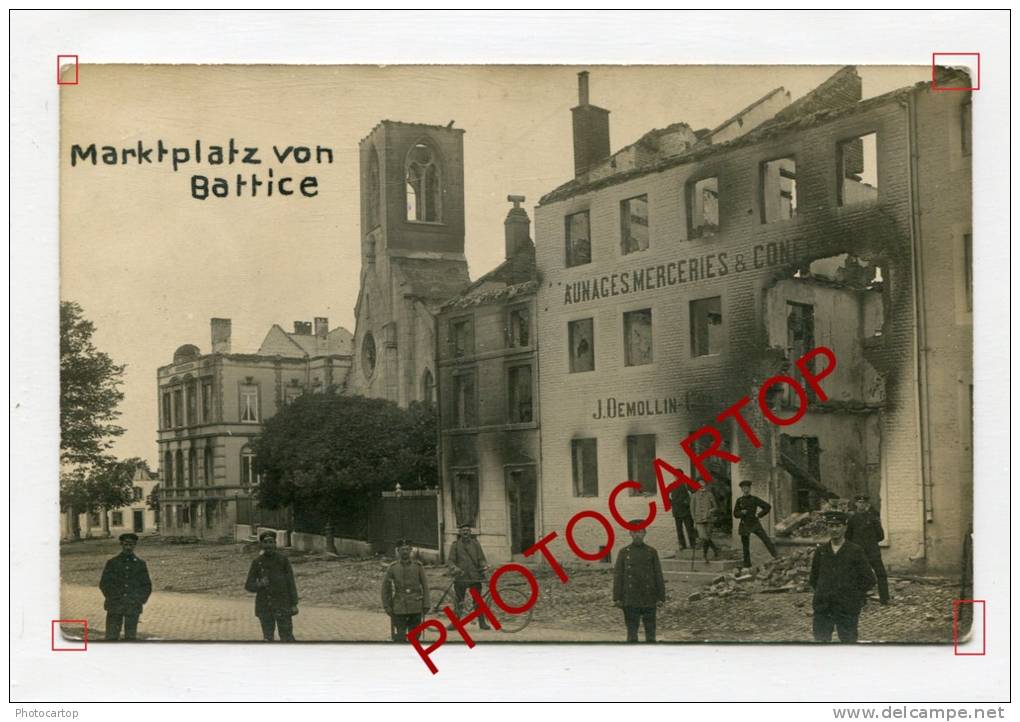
x,y
810,524
788,573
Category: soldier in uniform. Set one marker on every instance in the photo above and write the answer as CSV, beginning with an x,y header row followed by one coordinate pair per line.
x,y
841,577
638,585
126,586
468,564
703,509
680,504
865,530
750,509
405,592
271,578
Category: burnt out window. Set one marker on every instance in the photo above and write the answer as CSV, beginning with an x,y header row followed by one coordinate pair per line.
x,y
207,401
178,407
778,190
585,464
465,398
640,461
465,496
168,414
581,336
519,394
637,337
703,208
706,326
634,225
518,327
858,170
462,342
192,403
578,239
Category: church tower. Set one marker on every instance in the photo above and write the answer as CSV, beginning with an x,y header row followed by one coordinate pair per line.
x,y
412,255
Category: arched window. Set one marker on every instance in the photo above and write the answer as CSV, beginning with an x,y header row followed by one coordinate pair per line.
x,y
247,467
192,467
374,188
179,468
168,469
424,184
428,387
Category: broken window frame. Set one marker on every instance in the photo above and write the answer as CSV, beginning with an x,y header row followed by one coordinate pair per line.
x,y
696,350
571,257
627,223
465,494
520,397
763,169
572,358
702,230
640,468
584,462
465,346
521,328
423,184
465,399
630,356
841,172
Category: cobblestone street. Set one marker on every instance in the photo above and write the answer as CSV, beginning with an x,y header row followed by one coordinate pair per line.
x,y
198,595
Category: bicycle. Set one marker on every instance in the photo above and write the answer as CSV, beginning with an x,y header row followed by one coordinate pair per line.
x,y
443,597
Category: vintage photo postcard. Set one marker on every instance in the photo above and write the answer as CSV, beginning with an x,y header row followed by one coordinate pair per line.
x,y
435,355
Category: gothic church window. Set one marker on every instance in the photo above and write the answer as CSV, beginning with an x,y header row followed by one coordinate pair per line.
x,y
424,189
368,355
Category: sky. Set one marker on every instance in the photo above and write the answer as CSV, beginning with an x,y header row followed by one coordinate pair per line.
x,y
150,265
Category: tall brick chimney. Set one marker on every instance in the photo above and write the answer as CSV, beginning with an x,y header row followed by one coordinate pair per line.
x,y
517,228
591,130
321,326
220,334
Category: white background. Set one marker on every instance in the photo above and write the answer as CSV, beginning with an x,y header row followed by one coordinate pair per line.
x,y
250,673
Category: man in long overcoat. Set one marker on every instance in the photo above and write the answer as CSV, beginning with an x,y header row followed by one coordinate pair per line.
x,y
680,505
468,563
638,585
405,592
841,578
126,586
271,578
865,530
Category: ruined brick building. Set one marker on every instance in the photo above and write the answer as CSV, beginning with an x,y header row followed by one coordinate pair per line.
x,y
683,270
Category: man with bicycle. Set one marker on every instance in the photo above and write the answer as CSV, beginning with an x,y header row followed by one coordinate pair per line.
x,y
468,564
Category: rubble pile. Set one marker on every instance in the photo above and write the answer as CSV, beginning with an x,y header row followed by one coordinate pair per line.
x,y
788,573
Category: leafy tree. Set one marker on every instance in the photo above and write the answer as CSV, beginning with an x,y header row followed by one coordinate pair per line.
x,y
107,485
89,394
334,454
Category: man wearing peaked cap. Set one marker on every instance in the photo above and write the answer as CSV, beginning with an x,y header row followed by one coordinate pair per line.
x,y
405,592
750,510
126,586
865,530
840,578
271,578
638,585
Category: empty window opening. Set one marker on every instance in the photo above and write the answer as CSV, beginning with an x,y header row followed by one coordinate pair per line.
x,y
778,190
634,224
465,401
640,461
581,336
858,166
424,199
578,239
637,337
703,208
706,326
518,327
584,455
519,394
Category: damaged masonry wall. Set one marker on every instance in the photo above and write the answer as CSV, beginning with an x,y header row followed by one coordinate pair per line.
x,y
871,433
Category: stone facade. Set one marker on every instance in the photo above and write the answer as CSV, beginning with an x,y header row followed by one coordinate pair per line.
x,y
212,405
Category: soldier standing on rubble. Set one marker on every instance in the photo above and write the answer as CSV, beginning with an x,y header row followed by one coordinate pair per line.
x,y
865,530
750,509
841,577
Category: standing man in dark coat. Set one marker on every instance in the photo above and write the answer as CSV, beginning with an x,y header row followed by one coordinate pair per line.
x,y
126,586
750,510
680,505
841,578
468,564
638,585
272,579
865,530
405,592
